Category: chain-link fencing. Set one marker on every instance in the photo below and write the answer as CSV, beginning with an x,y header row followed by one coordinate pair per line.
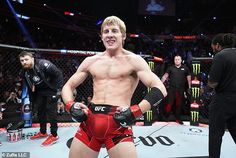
x,y
69,60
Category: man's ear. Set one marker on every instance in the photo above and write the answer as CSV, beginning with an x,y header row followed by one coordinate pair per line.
x,y
124,36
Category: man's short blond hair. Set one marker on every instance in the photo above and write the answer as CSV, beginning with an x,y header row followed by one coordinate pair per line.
x,y
114,20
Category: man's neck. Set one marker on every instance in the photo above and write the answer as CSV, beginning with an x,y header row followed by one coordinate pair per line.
x,y
116,52
178,66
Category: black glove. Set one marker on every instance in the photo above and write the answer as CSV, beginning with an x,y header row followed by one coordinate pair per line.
x,y
77,114
127,116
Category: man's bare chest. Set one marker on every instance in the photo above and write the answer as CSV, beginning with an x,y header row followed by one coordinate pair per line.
x,y
111,70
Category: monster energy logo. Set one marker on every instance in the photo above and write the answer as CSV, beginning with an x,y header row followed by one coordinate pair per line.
x,y
194,116
149,115
196,68
151,65
195,92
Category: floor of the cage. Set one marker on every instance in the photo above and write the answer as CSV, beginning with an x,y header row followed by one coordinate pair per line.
x,y
162,140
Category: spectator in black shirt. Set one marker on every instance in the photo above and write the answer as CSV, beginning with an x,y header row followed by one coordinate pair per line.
x,y
44,81
177,74
222,77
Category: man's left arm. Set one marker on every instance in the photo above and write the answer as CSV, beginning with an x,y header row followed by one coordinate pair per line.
x,y
189,81
157,90
188,74
154,97
148,78
55,73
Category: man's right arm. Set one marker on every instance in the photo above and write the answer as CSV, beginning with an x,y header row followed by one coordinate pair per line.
x,y
77,110
75,80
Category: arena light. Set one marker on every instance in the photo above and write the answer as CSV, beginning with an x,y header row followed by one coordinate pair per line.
x,y
18,15
189,37
157,59
99,22
21,25
63,51
23,16
68,13
19,1
134,35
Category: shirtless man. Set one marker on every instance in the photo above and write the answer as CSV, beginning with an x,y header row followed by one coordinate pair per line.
x,y
108,118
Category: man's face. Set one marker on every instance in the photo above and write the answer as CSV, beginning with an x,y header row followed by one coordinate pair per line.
x,y
216,48
27,62
177,60
112,37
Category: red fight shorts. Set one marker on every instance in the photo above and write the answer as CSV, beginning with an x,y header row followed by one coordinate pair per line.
x,y
100,128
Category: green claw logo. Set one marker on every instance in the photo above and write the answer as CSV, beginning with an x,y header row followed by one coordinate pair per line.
x,y
151,65
194,116
195,92
149,115
196,68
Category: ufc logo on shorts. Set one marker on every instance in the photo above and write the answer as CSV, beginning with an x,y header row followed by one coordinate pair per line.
x,y
99,108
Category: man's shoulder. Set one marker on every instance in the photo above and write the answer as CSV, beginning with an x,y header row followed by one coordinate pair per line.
x,y
132,55
94,57
185,67
220,55
43,63
227,52
91,59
